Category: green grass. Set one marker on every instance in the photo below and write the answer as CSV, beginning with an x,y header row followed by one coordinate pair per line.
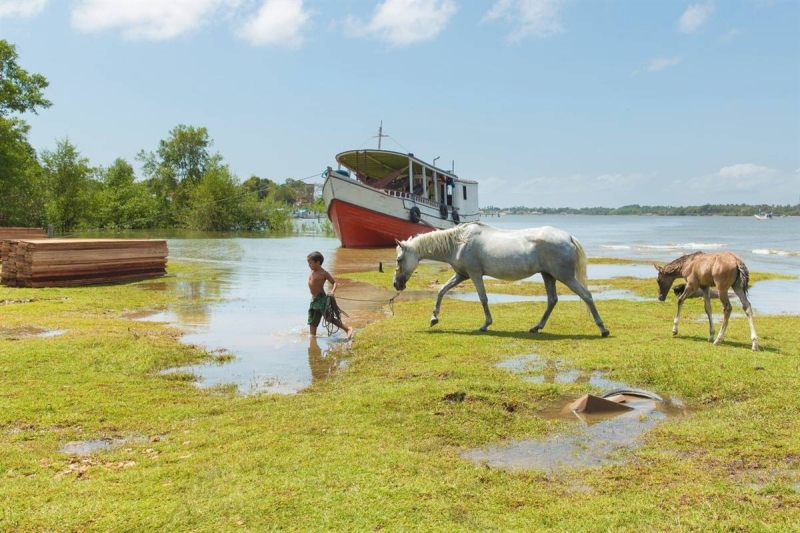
x,y
379,446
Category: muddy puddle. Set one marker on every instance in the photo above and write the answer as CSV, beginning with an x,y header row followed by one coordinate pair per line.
x,y
24,332
88,447
583,440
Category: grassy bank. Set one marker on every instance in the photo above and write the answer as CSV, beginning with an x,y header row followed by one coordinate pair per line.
x,y
380,446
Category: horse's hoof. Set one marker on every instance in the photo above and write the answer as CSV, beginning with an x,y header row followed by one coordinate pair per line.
x,y
534,329
434,321
605,333
755,346
483,328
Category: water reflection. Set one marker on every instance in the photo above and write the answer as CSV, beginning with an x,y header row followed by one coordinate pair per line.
x,y
255,309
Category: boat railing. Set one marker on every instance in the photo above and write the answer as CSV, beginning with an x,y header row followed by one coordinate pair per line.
x,y
412,197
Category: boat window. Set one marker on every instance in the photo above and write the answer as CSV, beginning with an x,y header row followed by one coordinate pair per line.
x,y
464,188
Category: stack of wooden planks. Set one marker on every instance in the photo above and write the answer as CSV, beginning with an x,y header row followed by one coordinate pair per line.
x,y
71,262
22,233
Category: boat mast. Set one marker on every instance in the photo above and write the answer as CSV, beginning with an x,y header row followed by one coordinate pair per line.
x,y
380,135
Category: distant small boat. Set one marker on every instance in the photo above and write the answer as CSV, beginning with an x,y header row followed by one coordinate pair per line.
x,y
764,216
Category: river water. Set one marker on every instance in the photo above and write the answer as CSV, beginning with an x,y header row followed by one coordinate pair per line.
x,y
262,284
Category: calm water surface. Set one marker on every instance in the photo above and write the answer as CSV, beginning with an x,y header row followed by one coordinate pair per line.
x,y
263,283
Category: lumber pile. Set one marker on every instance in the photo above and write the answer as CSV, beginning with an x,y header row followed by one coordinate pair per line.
x,y
72,262
22,233
19,233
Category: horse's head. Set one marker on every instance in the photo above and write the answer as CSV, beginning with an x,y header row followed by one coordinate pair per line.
x,y
407,261
664,281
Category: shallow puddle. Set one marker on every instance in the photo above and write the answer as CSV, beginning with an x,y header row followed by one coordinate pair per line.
x,y
29,331
585,440
283,365
535,369
592,440
88,447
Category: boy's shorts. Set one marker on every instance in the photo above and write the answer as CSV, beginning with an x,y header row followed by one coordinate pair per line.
x,y
316,309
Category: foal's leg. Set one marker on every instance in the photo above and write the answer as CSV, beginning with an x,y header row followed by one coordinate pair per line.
x,y
707,304
552,300
726,312
686,292
748,310
481,289
586,296
452,282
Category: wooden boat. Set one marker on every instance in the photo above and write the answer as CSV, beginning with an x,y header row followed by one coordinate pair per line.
x,y
379,196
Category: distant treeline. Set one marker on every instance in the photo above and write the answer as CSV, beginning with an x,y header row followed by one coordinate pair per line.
x,y
727,210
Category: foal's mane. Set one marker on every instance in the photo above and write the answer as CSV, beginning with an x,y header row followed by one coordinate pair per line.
x,y
438,243
676,266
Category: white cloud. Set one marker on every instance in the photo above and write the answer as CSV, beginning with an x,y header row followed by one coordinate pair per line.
x,y
660,63
730,35
528,18
277,23
744,170
21,8
738,177
153,21
404,22
694,17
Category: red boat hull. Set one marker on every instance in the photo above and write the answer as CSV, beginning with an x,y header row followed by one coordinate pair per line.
x,y
358,227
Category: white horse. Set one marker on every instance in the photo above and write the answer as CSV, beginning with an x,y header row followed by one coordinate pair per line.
x,y
475,250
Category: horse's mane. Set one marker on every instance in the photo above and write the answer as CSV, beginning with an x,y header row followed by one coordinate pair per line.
x,y
439,243
676,266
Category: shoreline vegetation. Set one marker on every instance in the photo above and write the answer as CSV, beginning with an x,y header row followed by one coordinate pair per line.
x,y
380,445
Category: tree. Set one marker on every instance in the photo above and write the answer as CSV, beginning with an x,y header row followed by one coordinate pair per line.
x,y
176,168
124,202
68,178
21,192
19,90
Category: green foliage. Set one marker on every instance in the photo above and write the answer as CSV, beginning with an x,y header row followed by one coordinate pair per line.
x,y
125,203
19,90
70,186
21,180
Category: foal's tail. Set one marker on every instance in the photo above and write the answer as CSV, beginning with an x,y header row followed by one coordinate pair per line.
x,y
581,262
744,276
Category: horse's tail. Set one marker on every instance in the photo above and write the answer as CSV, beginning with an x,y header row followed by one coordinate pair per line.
x,y
580,263
744,276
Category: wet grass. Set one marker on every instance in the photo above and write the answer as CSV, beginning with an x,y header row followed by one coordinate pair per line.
x,y
379,447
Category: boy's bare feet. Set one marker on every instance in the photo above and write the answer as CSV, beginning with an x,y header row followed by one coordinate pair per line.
x,y
350,333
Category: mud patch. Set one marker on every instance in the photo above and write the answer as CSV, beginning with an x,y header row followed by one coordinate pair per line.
x,y
23,332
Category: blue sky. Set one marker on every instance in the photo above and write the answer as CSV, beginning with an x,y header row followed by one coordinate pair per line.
x,y
544,102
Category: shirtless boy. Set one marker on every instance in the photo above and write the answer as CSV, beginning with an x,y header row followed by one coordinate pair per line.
x,y
316,284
